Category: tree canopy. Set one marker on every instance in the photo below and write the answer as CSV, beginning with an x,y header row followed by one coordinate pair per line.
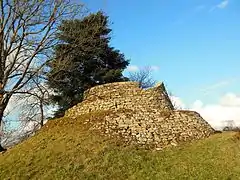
x,y
84,58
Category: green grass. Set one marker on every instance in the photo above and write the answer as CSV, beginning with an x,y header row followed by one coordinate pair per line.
x,y
66,149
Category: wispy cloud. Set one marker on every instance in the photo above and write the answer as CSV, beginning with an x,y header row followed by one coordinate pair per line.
x,y
133,68
215,86
221,84
221,5
155,68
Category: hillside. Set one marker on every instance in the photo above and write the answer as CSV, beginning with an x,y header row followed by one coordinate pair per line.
x,y
67,149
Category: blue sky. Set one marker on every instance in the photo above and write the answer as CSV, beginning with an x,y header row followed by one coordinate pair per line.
x,y
195,43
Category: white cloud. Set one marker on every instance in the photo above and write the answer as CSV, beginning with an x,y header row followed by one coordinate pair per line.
x,y
132,68
221,5
13,106
230,99
177,102
197,104
217,114
155,68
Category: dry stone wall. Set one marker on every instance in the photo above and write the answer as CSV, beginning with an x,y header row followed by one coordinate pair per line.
x,y
145,117
121,95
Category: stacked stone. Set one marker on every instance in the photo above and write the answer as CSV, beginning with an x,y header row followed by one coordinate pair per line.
x,y
153,129
149,119
121,95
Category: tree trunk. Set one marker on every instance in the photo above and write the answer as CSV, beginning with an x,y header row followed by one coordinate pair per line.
x,y
42,115
1,128
2,108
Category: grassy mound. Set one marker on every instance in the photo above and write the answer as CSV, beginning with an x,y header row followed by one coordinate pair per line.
x,y
66,149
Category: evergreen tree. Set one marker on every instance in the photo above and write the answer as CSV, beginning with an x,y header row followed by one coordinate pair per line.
x,y
83,59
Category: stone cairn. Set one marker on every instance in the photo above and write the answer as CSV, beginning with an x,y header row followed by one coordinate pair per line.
x,y
141,116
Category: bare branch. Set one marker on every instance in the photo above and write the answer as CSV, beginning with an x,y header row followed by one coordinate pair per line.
x,y
27,35
143,77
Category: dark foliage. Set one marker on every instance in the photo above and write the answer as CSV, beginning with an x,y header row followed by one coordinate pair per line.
x,y
83,59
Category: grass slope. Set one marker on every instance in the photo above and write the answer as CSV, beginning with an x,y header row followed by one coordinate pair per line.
x,y
66,149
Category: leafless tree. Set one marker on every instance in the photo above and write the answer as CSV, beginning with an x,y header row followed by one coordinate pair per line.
x,y
27,35
11,137
143,77
176,106
229,125
34,103
32,106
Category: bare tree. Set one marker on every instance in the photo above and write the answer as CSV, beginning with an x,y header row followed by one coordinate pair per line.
x,y
174,101
143,77
27,35
11,137
34,103
229,125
